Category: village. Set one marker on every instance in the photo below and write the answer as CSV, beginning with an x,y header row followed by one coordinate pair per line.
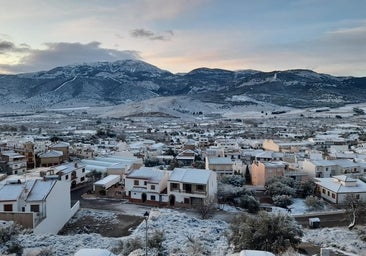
x,y
176,164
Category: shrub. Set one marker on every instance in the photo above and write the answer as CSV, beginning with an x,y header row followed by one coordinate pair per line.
x,y
235,180
314,203
282,200
278,188
156,240
250,203
127,246
265,231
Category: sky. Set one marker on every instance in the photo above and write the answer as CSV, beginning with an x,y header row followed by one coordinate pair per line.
x,y
327,36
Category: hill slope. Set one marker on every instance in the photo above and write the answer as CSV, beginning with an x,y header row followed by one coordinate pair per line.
x,y
113,83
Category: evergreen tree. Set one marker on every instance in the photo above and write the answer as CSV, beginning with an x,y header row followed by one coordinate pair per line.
x,y
248,178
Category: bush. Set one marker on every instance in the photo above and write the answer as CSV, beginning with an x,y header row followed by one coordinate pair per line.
x,y
156,240
278,188
265,231
235,180
284,180
305,188
313,203
282,200
15,247
250,203
8,231
227,193
126,247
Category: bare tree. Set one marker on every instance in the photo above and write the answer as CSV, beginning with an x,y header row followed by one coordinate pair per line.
x,y
207,208
356,208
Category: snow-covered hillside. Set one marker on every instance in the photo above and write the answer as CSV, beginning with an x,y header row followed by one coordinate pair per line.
x,y
184,234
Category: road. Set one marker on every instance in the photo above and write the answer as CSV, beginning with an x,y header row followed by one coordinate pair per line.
x,y
328,219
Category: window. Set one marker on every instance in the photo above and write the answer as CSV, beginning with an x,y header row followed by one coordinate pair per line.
x,y
83,170
357,196
333,195
328,193
186,200
323,191
145,183
200,187
8,207
174,185
136,182
34,208
152,187
66,177
152,198
82,178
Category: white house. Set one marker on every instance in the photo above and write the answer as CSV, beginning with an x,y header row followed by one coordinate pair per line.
x,y
146,185
75,173
330,168
189,187
42,205
336,189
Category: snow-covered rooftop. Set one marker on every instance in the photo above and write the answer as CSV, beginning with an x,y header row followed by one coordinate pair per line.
x,y
219,160
195,176
149,173
11,192
336,185
41,189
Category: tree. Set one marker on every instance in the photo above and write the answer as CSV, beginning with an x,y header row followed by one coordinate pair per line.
x,y
305,188
356,208
235,180
199,165
265,231
206,209
282,200
313,203
151,162
227,193
277,188
250,203
248,177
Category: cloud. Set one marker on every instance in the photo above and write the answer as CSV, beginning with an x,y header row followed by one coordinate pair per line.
x,y
59,54
7,46
143,33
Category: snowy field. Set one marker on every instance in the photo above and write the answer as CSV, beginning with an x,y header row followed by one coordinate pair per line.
x,y
180,229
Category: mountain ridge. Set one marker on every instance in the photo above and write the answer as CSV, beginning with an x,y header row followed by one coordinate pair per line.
x,y
125,81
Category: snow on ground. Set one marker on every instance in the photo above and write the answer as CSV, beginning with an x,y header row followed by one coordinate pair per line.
x,y
65,245
178,229
347,241
298,207
96,214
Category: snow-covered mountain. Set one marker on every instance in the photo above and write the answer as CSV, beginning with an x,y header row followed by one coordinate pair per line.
x,y
120,82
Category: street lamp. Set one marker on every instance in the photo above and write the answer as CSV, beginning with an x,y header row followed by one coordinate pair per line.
x,y
146,216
